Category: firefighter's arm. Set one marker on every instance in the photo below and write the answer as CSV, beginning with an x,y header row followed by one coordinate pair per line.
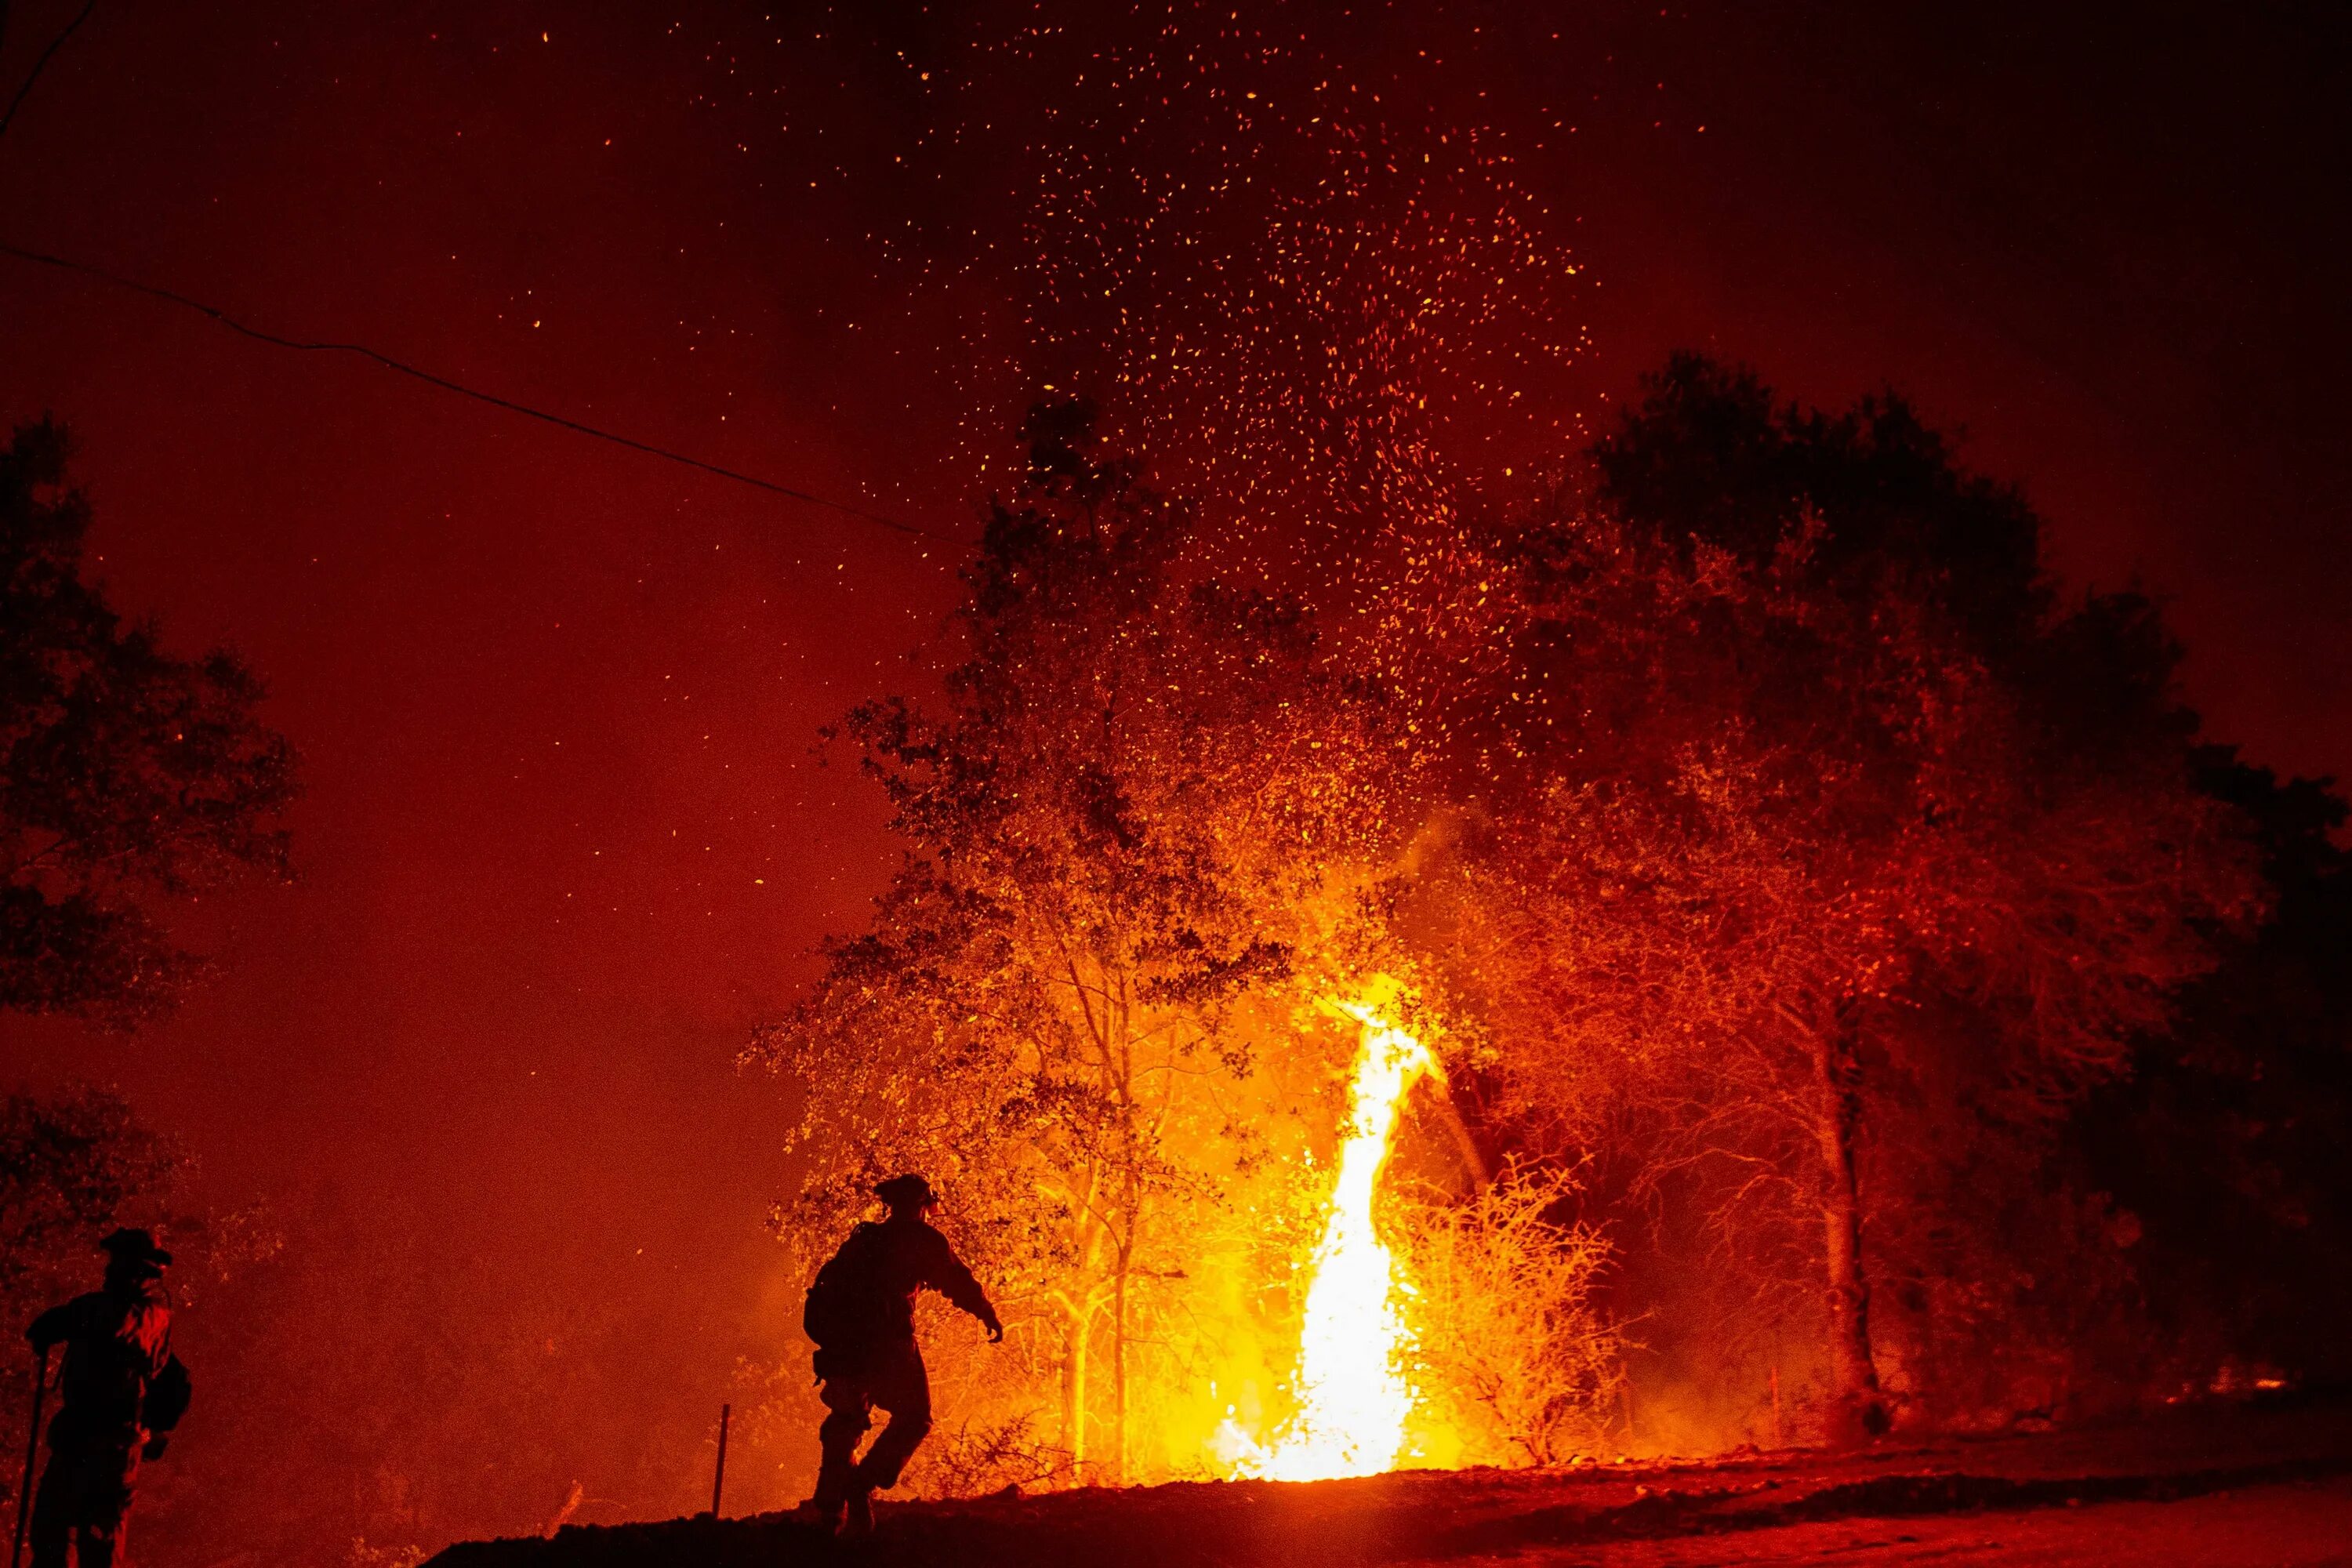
x,y
951,1279
165,1400
51,1326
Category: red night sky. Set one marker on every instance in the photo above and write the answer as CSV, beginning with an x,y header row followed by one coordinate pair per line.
x,y
563,838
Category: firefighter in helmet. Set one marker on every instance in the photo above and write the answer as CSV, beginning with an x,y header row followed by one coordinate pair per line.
x,y
861,1315
120,1391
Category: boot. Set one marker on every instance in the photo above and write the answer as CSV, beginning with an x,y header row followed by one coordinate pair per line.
x,y
825,1514
861,1511
836,1479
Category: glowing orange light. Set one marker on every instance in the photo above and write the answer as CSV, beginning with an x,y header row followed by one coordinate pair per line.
x,y
1354,1397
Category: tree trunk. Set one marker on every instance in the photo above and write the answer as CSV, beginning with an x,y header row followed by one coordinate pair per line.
x,y
1074,1391
1464,1145
1118,1371
1838,1123
1130,1220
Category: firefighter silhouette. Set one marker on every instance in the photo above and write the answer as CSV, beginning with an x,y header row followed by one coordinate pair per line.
x,y
120,1391
861,1316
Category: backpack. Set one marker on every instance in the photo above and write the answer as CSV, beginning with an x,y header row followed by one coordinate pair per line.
x,y
839,1312
167,1398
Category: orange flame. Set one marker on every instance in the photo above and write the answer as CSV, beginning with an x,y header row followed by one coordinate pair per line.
x,y
1354,1397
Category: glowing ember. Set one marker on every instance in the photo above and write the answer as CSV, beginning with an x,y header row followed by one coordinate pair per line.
x,y
1353,1398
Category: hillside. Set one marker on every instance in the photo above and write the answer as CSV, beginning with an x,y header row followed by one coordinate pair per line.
x,y
2213,1486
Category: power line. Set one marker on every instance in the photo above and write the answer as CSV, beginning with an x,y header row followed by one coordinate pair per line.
x,y
173,297
42,64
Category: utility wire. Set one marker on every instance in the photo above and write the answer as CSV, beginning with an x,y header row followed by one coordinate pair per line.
x,y
173,297
42,64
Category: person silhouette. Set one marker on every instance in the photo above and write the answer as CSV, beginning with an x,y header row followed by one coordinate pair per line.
x,y
861,1315
121,1392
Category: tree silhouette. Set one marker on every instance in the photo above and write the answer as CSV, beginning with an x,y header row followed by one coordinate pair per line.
x,y
2224,1148
1827,820
125,773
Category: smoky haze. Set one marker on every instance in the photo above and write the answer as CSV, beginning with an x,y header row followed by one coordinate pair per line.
x,y
565,840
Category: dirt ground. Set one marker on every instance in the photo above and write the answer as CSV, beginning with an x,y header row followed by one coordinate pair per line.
x,y
2223,1486
2303,1525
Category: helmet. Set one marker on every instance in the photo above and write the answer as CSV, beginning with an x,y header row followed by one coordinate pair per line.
x,y
136,1248
909,1190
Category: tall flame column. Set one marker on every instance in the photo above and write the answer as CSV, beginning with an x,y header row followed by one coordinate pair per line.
x,y
1353,1398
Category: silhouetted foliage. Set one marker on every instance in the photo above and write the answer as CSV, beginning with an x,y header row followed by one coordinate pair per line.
x,y
125,773
2224,1151
1840,861
73,1165
1710,459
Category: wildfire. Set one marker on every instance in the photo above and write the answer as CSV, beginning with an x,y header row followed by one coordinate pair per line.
x,y
1354,1396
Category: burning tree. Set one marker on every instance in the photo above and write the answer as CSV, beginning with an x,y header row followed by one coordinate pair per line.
x,y
1131,829
1761,833
1134,975
1818,810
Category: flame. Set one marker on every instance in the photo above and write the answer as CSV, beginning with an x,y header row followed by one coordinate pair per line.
x,y
1353,1395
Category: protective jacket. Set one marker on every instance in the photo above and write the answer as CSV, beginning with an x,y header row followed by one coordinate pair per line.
x,y
120,1373
866,1295
121,1388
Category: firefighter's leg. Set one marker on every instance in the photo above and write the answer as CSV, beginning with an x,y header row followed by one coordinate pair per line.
x,y
53,1510
85,1492
113,1476
846,1419
95,1545
904,1389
